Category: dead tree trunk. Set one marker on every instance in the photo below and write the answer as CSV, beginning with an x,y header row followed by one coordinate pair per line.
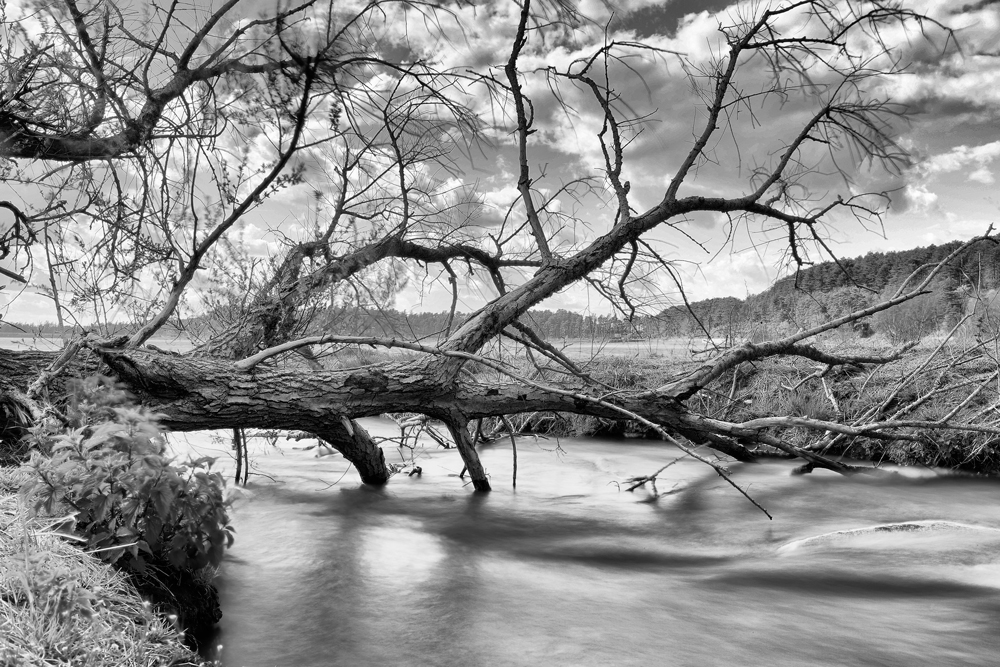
x,y
357,446
270,320
467,448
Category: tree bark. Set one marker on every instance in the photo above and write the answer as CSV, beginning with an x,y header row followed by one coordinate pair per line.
x,y
467,448
357,446
204,393
201,393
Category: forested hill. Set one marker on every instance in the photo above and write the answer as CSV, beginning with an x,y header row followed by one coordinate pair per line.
x,y
830,289
818,292
878,270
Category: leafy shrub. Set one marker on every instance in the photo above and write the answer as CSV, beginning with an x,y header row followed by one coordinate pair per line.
x,y
132,503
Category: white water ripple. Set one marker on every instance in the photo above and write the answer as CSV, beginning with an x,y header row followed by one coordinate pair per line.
x,y
897,527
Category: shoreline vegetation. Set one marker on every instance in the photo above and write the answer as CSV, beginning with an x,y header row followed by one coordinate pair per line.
x,y
108,543
60,605
812,295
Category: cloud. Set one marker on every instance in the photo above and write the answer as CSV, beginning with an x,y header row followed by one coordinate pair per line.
x,y
24,14
959,158
982,175
917,195
951,228
944,94
941,87
736,274
915,198
945,80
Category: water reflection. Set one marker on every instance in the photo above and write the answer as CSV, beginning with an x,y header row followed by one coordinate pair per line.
x,y
568,570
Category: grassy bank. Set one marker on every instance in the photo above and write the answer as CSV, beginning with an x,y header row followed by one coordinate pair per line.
x,y
954,380
61,606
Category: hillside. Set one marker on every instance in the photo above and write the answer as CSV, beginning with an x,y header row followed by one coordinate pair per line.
x,y
829,290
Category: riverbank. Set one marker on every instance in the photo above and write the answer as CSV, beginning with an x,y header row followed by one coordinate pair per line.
x,y
939,380
59,605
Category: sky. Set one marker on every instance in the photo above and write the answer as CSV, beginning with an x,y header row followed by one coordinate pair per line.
x,y
950,128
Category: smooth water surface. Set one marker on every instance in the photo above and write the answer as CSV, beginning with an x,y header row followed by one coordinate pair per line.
x,y
570,570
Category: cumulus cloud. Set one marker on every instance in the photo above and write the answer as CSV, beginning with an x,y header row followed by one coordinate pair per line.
x,y
493,205
940,84
973,161
949,80
982,175
24,14
960,158
972,89
915,198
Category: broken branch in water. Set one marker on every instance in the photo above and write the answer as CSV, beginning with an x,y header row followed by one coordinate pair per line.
x,y
642,480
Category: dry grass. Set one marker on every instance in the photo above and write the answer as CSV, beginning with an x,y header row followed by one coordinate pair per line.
x,y
61,606
787,386
927,385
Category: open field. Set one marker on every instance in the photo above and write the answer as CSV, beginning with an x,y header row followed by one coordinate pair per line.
x,y
669,350
8,342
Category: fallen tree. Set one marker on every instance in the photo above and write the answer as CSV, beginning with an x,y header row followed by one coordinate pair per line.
x,y
203,392
389,124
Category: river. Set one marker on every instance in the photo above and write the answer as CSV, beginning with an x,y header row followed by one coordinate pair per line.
x,y
569,569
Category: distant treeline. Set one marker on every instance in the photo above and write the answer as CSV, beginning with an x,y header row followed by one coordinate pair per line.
x,y
392,323
47,330
433,326
815,294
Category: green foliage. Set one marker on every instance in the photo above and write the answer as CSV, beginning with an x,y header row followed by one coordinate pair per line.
x,y
59,606
132,503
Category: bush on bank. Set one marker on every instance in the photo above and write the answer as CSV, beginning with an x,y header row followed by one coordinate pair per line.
x,y
60,605
101,476
133,504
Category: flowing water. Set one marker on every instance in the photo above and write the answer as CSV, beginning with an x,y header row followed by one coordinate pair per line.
x,y
569,569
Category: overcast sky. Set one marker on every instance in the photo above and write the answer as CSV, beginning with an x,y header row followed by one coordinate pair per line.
x,y
948,192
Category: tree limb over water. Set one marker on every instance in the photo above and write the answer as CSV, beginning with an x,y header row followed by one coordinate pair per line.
x,y
147,144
